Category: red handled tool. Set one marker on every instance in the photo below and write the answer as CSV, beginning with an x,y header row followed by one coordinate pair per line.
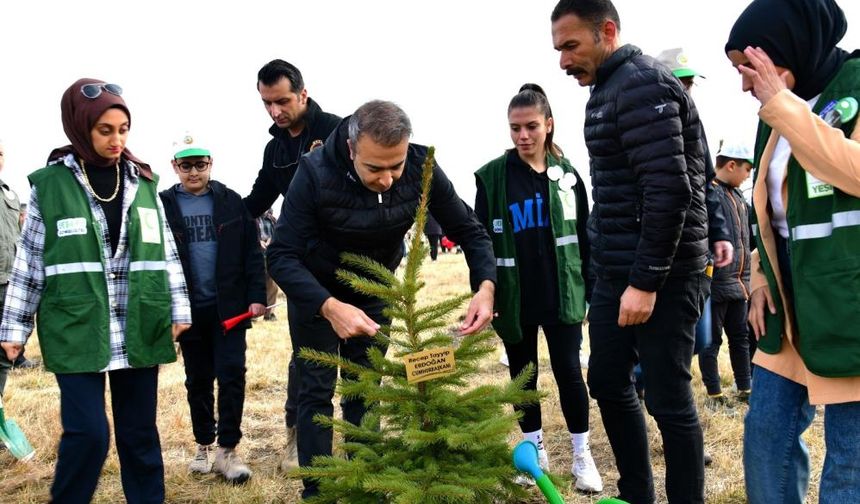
x,y
230,323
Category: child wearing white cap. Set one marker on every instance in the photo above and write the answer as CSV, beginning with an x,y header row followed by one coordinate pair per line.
x,y
730,286
223,265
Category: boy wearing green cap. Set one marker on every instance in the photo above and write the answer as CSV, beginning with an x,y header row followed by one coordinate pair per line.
x,y
223,265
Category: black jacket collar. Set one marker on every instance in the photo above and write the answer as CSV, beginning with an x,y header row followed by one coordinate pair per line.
x,y
310,121
336,150
621,55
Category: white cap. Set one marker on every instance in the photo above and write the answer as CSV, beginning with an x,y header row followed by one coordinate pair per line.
x,y
678,62
736,150
188,145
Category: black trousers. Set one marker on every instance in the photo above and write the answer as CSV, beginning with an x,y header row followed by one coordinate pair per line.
x,y
86,435
731,315
317,383
211,355
664,348
433,240
563,342
291,407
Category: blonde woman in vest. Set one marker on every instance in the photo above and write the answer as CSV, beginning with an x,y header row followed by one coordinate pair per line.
x,y
97,263
806,269
535,206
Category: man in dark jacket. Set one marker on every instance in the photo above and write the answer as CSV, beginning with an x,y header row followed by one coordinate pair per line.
x,y
649,246
359,194
300,126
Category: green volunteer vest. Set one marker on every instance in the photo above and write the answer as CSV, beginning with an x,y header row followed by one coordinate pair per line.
x,y
562,214
824,243
73,316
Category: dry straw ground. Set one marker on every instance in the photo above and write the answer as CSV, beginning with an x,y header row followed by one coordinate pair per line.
x,y
32,399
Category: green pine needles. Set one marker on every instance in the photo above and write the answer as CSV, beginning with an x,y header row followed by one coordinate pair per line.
x,y
438,441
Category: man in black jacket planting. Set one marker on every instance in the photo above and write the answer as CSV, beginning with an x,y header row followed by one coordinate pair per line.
x,y
649,246
359,193
299,126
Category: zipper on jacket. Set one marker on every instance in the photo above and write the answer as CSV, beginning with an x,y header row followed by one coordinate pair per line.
x,y
379,196
742,249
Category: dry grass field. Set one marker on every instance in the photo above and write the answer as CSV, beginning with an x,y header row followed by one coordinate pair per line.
x,y
32,399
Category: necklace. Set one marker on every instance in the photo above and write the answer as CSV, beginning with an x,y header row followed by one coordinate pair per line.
x,y
93,191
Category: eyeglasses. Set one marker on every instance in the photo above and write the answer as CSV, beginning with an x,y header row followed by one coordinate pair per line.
x,y
200,166
93,91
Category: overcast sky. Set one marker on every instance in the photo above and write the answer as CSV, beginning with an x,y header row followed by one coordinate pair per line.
x,y
452,65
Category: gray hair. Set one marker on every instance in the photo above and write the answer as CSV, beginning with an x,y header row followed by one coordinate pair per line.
x,y
383,121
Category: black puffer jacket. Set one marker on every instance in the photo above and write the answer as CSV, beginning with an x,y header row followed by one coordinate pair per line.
x,y
647,171
279,167
329,211
732,282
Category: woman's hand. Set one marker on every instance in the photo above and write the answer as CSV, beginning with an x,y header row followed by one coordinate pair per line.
x,y
765,78
179,329
12,350
760,298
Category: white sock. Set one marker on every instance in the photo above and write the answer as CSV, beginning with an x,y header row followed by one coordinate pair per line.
x,y
579,441
535,437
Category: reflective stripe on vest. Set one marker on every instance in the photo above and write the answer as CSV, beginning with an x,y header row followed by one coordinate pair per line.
x,y
566,240
506,262
147,266
79,267
825,229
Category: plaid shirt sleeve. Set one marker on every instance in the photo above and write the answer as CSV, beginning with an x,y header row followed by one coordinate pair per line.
x,y
180,304
28,278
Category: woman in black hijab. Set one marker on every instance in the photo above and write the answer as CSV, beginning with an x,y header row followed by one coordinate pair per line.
x,y
98,264
806,268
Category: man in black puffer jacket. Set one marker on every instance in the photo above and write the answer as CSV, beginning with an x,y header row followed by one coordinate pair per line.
x,y
649,246
359,194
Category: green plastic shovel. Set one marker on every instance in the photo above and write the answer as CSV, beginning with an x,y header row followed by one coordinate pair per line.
x,y
14,439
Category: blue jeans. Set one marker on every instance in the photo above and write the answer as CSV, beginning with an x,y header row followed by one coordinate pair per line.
x,y
776,460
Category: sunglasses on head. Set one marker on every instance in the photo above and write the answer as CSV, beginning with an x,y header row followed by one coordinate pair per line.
x,y
93,91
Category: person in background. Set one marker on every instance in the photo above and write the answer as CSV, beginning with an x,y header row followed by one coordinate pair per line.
x,y
805,271
300,126
266,232
223,265
730,284
97,262
9,228
535,206
433,232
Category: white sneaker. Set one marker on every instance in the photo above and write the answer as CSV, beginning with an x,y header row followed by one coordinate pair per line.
x,y
201,463
523,479
229,465
585,472
291,452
